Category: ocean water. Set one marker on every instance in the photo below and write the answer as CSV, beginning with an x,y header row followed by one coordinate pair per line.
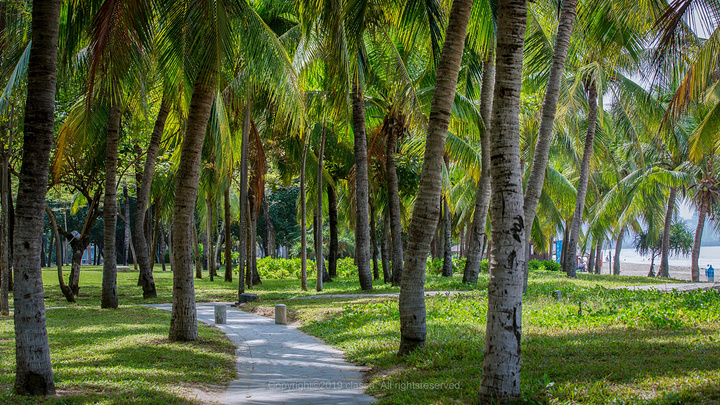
x,y
708,255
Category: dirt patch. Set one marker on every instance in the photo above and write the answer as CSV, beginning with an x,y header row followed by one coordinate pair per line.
x,y
212,394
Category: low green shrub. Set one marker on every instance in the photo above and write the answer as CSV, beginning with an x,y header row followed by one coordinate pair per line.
x,y
550,265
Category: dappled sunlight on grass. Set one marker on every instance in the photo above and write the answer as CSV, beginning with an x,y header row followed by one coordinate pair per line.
x,y
122,356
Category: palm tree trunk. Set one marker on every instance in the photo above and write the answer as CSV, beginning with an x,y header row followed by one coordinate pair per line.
x,y
209,235
269,230
196,253
547,120
664,270
108,297
254,213
362,224
156,233
333,219
618,248
591,260
33,372
501,367
373,242
598,255
570,262
392,128
303,222
447,254
143,196
384,248
183,322
4,241
67,292
702,214
413,326
320,261
228,243
482,199
126,235
244,151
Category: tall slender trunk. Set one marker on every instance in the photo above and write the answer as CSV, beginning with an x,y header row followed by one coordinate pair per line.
x,y
67,292
702,214
384,248
4,241
362,212
33,371
394,127
373,242
269,230
143,197
447,254
254,213
209,225
549,109
126,235
303,221
413,326
501,363
244,151
566,236
183,322
664,270
162,246
618,248
570,263
477,238
228,244
333,222
108,297
196,253
598,255
156,238
591,260
320,261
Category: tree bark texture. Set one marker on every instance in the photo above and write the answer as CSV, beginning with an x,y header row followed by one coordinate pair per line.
x,y
413,327
244,152
108,297
333,222
501,362
183,321
143,197
447,254
362,212
702,215
319,260
33,371
393,128
618,248
482,199
228,243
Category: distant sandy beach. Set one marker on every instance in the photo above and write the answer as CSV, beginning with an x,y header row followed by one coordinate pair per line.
x,y
641,270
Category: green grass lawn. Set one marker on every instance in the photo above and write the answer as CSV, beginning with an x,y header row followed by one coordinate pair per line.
x,y
121,357
623,347
636,347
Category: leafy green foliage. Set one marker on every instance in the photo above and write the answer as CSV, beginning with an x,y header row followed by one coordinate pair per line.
x,y
551,265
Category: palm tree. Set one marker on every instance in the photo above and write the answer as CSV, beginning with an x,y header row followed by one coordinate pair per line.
x,y
143,196
549,109
482,199
33,372
413,327
501,363
707,199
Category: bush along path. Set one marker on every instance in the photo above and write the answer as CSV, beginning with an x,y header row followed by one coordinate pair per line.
x,y
279,364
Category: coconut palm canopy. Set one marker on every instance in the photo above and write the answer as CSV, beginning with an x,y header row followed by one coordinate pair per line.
x,y
223,131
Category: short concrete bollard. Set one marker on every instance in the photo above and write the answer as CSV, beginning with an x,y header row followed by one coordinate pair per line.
x,y
558,294
281,314
220,314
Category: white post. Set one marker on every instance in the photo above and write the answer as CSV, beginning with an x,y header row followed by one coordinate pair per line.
x,y
281,314
220,314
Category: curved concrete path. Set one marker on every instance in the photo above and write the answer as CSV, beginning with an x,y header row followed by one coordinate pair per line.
x,y
277,364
